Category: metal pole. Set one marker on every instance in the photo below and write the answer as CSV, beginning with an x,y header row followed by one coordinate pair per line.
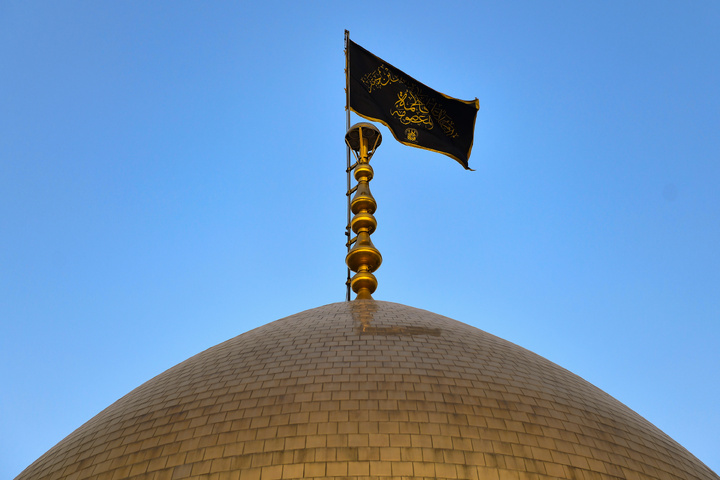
x,y
347,148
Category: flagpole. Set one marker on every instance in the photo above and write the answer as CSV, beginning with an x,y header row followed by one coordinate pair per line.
x,y
347,149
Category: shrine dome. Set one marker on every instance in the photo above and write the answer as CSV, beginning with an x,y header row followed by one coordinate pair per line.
x,y
367,389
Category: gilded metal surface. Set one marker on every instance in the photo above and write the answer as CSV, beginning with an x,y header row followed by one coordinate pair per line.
x,y
364,284
363,201
367,389
363,258
363,221
370,133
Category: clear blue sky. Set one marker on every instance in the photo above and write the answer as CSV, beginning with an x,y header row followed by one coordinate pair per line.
x,y
172,175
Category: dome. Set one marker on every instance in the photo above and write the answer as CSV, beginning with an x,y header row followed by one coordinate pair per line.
x,y
367,389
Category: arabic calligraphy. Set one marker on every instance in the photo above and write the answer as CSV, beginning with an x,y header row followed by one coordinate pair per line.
x,y
413,107
410,110
379,78
443,119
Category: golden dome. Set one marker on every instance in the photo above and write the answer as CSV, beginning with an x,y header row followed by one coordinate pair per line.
x,y
367,389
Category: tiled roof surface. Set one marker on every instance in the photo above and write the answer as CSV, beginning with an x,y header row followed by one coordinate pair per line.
x,y
362,390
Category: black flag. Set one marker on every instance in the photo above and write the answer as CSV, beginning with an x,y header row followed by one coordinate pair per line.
x,y
416,114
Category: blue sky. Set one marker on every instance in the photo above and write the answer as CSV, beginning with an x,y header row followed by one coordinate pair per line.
x,y
172,175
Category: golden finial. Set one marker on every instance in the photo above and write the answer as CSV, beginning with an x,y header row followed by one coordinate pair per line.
x,y
363,258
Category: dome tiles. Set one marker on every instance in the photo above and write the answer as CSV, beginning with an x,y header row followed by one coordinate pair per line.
x,y
367,389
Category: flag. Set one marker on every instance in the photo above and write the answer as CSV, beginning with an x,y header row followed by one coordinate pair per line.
x,y
416,114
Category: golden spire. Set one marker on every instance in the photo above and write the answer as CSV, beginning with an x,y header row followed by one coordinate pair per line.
x,y
363,258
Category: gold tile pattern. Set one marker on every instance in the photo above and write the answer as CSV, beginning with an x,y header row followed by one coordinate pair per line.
x,y
361,390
